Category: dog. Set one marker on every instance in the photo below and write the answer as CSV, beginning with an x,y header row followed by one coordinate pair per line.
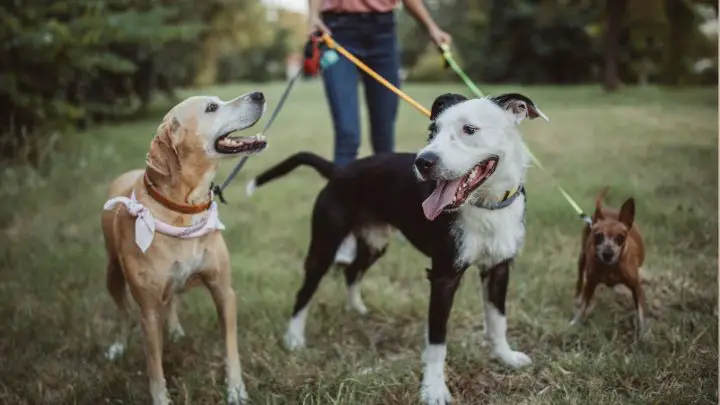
x,y
612,253
162,232
460,201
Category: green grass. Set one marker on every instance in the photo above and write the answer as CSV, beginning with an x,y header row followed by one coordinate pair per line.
x,y
659,146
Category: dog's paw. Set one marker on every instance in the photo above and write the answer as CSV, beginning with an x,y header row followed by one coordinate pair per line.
x,y
293,341
358,307
176,333
237,395
435,392
512,358
115,351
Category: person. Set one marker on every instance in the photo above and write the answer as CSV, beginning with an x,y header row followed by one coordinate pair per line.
x,y
367,29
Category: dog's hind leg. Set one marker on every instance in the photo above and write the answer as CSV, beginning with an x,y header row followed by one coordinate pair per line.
x,y
581,276
175,329
116,286
320,256
366,257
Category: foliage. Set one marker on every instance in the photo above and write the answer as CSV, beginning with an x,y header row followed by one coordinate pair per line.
x,y
70,61
552,41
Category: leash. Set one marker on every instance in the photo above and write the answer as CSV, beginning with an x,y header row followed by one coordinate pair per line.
x,y
450,60
218,189
365,68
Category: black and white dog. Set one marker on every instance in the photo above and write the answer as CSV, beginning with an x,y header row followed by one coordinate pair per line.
x,y
460,201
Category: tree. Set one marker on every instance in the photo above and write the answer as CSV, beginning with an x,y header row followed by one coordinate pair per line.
x,y
613,19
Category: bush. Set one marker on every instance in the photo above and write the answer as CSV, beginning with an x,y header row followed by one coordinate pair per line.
x,y
66,63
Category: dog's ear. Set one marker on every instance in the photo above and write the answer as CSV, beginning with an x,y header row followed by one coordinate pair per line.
x,y
443,102
163,159
520,106
627,212
597,216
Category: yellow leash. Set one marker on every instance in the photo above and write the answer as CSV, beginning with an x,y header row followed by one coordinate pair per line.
x,y
447,55
365,68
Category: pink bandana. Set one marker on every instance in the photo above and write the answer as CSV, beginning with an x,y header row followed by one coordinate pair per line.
x,y
146,224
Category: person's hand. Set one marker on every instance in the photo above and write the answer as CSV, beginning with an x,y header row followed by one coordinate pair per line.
x,y
439,36
316,24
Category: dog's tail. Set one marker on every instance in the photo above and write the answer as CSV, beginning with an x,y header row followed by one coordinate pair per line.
x,y
598,203
323,166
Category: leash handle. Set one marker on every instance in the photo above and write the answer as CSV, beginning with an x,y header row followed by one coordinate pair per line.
x,y
447,55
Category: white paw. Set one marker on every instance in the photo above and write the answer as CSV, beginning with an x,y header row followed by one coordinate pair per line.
x,y
250,188
435,393
358,307
293,341
115,351
176,333
237,395
512,358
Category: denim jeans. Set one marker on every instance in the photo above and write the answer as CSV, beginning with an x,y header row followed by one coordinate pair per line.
x,y
371,37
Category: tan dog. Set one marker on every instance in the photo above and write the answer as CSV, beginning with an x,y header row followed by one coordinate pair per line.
x,y
166,238
612,253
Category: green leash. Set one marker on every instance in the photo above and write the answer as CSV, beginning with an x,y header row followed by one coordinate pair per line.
x,y
447,55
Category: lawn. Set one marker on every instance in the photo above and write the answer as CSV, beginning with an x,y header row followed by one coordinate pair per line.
x,y
659,146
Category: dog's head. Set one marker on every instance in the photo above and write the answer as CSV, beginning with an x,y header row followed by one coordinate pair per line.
x,y
609,233
474,149
198,132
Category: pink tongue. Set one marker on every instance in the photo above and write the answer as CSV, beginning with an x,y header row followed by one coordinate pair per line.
x,y
440,198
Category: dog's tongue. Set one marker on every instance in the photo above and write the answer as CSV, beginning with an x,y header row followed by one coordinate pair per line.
x,y
440,198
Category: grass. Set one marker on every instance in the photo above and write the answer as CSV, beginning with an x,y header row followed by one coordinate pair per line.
x,y
659,146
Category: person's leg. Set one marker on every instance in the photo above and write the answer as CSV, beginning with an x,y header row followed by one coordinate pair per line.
x,y
383,57
340,82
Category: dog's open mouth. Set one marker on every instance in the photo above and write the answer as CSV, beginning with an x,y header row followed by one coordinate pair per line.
x,y
450,194
227,144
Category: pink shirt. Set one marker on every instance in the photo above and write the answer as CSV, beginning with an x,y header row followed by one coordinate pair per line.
x,y
359,6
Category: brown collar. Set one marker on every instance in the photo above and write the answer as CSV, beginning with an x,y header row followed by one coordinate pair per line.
x,y
181,208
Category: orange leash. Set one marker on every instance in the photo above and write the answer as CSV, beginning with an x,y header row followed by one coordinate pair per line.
x,y
344,52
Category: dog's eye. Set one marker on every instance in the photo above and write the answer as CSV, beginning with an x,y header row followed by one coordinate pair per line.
x,y
433,131
212,107
619,239
469,129
599,238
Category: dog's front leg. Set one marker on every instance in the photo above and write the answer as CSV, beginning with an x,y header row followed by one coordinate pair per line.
x,y
640,309
495,284
153,335
443,284
224,297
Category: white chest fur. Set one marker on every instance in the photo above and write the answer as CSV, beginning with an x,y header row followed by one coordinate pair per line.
x,y
189,262
487,237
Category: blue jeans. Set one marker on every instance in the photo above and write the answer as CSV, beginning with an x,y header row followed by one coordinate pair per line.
x,y
371,38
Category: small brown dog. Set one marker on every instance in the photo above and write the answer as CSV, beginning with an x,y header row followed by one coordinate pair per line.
x,y
612,253
162,232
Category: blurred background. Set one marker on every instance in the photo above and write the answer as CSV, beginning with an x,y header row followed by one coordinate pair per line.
x,y
69,63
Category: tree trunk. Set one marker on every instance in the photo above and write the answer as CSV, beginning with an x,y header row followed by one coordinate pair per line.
x,y
209,54
614,12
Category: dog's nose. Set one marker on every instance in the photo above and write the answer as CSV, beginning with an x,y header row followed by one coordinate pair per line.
x,y
425,162
607,255
257,96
